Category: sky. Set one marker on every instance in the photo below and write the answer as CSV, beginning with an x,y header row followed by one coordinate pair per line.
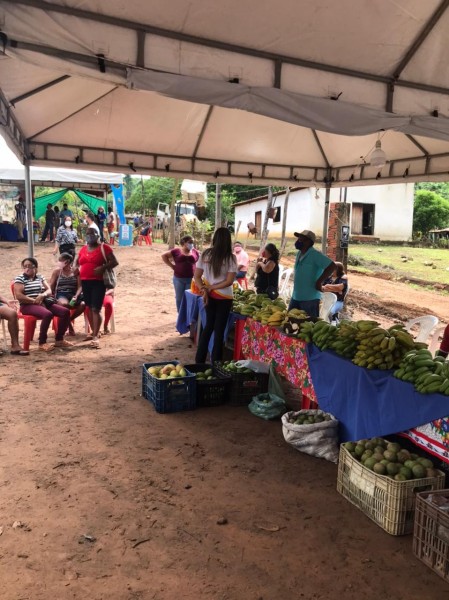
x,y
8,159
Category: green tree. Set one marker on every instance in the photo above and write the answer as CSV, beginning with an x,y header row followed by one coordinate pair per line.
x,y
430,211
440,188
147,193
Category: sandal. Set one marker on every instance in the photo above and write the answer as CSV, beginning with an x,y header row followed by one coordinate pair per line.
x,y
95,344
88,338
46,347
106,331
19,353
64,344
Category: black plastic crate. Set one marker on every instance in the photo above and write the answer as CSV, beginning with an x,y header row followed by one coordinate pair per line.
x,y
169,395
211,392
244,385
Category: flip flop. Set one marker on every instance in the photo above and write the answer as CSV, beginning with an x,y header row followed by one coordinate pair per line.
x,y
95,344
64,344
19,352
46,347
88,338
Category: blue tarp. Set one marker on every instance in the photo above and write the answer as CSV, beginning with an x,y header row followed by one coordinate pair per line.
x,y
369,403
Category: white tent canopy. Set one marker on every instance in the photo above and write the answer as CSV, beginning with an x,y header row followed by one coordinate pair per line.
x,y
287,92
61,177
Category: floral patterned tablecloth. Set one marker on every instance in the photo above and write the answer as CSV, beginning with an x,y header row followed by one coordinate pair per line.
x,y
268,344
432,437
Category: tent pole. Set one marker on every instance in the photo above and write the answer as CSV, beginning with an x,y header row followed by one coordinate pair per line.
x,y
29,207
326,220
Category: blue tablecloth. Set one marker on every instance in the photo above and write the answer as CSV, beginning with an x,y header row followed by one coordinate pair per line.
x,y
188,311
369,403
191,307
8,233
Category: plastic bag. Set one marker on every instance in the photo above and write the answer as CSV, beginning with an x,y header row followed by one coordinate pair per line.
x,y
254,365
274,384
318,439
267,406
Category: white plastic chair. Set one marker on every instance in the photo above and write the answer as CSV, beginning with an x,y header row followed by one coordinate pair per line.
x,y
284,280
435,342
327,302
426,325
281,270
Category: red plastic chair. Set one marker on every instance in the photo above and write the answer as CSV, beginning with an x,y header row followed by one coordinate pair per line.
x,y
72,310
29,324
146,238
243,282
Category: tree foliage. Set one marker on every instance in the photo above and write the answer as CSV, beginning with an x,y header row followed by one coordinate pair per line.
x,y
430,211
145,194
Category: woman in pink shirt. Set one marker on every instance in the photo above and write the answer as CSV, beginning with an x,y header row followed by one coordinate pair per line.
x,y
182,260
242,260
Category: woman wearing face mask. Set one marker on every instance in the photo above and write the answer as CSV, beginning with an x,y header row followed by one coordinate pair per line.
x,y
182,260
66,287
66,238
267,272
92,265
34,295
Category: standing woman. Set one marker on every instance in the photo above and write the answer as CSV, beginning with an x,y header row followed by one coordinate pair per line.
x,y
34,295
267,278
66,238
182,261
214,276
92,264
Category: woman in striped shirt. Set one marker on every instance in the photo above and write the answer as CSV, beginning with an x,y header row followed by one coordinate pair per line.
x,y
34,295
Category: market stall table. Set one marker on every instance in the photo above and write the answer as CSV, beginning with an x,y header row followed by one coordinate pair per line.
x,y
8,233
288,354
369,403
432,437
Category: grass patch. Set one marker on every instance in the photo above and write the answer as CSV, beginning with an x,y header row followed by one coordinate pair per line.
x,y
390,257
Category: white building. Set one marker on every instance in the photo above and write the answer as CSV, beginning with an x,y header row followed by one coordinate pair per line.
x,y
384,212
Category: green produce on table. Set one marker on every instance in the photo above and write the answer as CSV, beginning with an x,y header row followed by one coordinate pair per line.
x,y
429,375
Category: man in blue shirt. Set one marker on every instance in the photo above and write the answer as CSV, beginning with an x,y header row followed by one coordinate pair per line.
x,y
65,212
311,269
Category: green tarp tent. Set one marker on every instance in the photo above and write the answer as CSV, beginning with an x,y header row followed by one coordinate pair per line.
x,y
92,203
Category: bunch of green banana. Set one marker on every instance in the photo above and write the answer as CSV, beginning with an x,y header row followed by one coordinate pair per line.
x,y
429,375
376,349
304,331
323,334
345,341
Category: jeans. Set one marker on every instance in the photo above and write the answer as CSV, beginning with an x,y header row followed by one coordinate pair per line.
x,y
312,307
49,228
181,284
46,316
337,307
241,274
217,313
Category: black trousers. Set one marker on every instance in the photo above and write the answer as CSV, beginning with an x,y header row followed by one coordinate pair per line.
x,y
49,227
217,313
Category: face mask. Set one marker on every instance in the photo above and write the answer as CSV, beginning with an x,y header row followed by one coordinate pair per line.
x,y
190,246
237,249
264,254
91,239
67,223
61,264
299,244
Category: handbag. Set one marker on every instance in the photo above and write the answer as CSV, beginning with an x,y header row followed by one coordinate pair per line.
x,y
49,301
109,276
272,292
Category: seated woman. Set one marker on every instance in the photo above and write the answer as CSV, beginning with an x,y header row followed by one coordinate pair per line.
x,y
66,287
267,272
9,313
34,295
337,284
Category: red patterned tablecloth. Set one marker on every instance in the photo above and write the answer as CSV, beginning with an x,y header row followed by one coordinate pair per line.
x,y
268,344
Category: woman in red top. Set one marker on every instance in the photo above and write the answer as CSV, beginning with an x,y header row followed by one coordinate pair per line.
x,y
182,261
92,265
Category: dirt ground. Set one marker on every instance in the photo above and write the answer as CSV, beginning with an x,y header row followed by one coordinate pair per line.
x,y
118,502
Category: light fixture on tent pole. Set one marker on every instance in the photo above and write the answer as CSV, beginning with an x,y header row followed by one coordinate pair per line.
x,y
378,157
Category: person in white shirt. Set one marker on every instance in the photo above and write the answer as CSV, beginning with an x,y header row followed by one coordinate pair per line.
x,y
91,222
214,275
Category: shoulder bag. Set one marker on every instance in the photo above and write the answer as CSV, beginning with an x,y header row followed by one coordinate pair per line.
x,y
109,276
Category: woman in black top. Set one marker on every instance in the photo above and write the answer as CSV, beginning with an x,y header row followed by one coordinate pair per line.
x,y
267,277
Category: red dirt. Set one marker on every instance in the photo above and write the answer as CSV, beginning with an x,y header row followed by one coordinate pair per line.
x,y
82,453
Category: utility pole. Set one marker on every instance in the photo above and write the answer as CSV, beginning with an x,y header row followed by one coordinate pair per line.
x,y
172,227
218,205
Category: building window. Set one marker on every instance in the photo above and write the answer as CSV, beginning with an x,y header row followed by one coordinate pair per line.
x,y
277,215
362,219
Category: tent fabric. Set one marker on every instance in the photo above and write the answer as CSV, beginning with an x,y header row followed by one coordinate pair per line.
x,y
40,203
289,93
92,202
68,176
